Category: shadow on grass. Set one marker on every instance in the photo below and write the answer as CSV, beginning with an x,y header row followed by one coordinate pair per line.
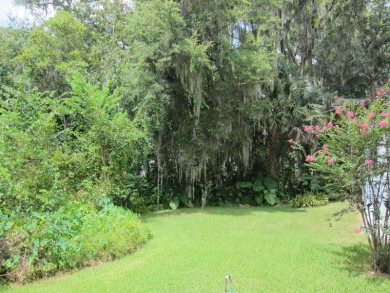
x,y
220,211
356,260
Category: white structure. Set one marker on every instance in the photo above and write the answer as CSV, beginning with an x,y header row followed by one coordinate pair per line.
x,y
378,189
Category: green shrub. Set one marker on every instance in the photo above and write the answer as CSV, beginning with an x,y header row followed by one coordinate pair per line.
x,y
263,191
309,200
41,244
111,233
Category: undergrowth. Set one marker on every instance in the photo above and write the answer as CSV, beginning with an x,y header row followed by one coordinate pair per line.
x,y
41,244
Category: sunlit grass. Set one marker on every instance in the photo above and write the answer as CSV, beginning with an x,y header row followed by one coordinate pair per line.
x,y
264,249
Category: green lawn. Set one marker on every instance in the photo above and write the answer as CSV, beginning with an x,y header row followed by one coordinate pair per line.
x,y
264,249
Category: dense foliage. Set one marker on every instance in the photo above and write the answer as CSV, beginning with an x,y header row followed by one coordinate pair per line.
x,y
157,103
43,243
61,160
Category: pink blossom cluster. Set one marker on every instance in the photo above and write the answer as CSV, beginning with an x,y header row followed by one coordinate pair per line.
x,y
380,92
364,124
309,128
385,114
310,158
363,128
291,142
325,150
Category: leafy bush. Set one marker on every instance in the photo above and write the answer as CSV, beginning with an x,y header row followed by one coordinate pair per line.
x,y
111,233
309,200
263,190
41,244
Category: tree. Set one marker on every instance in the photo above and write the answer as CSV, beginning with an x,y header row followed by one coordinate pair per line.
x,y
287,102
53,50
354,159
352,56
12,41
45,5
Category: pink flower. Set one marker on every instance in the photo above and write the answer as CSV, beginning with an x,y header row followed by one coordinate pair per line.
x,y
310,158
379,93
339,110
385,114
363,131
382,123
369,162
317,135
317,127
330,161
326,149
307,128
350,114
291,140
370,115
364,126
363,103
356,230
329,125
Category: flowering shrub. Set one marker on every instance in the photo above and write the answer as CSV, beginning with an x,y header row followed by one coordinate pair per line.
x,y
352,153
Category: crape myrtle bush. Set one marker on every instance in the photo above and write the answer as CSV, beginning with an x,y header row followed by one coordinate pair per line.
x,y
351,151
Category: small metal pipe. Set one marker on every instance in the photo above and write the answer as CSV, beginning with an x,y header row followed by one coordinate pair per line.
x,y
227,278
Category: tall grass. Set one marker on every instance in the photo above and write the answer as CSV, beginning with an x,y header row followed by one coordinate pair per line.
x,y
264,249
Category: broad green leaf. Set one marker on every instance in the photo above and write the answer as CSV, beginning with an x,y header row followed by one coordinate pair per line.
x,y
259,198
258,188
174,204
244,184
270,198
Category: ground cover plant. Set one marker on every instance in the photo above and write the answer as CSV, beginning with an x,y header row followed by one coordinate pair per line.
x,y
43,244
279,249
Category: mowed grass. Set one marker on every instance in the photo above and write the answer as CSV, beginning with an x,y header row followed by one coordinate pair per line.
x,y
264,249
